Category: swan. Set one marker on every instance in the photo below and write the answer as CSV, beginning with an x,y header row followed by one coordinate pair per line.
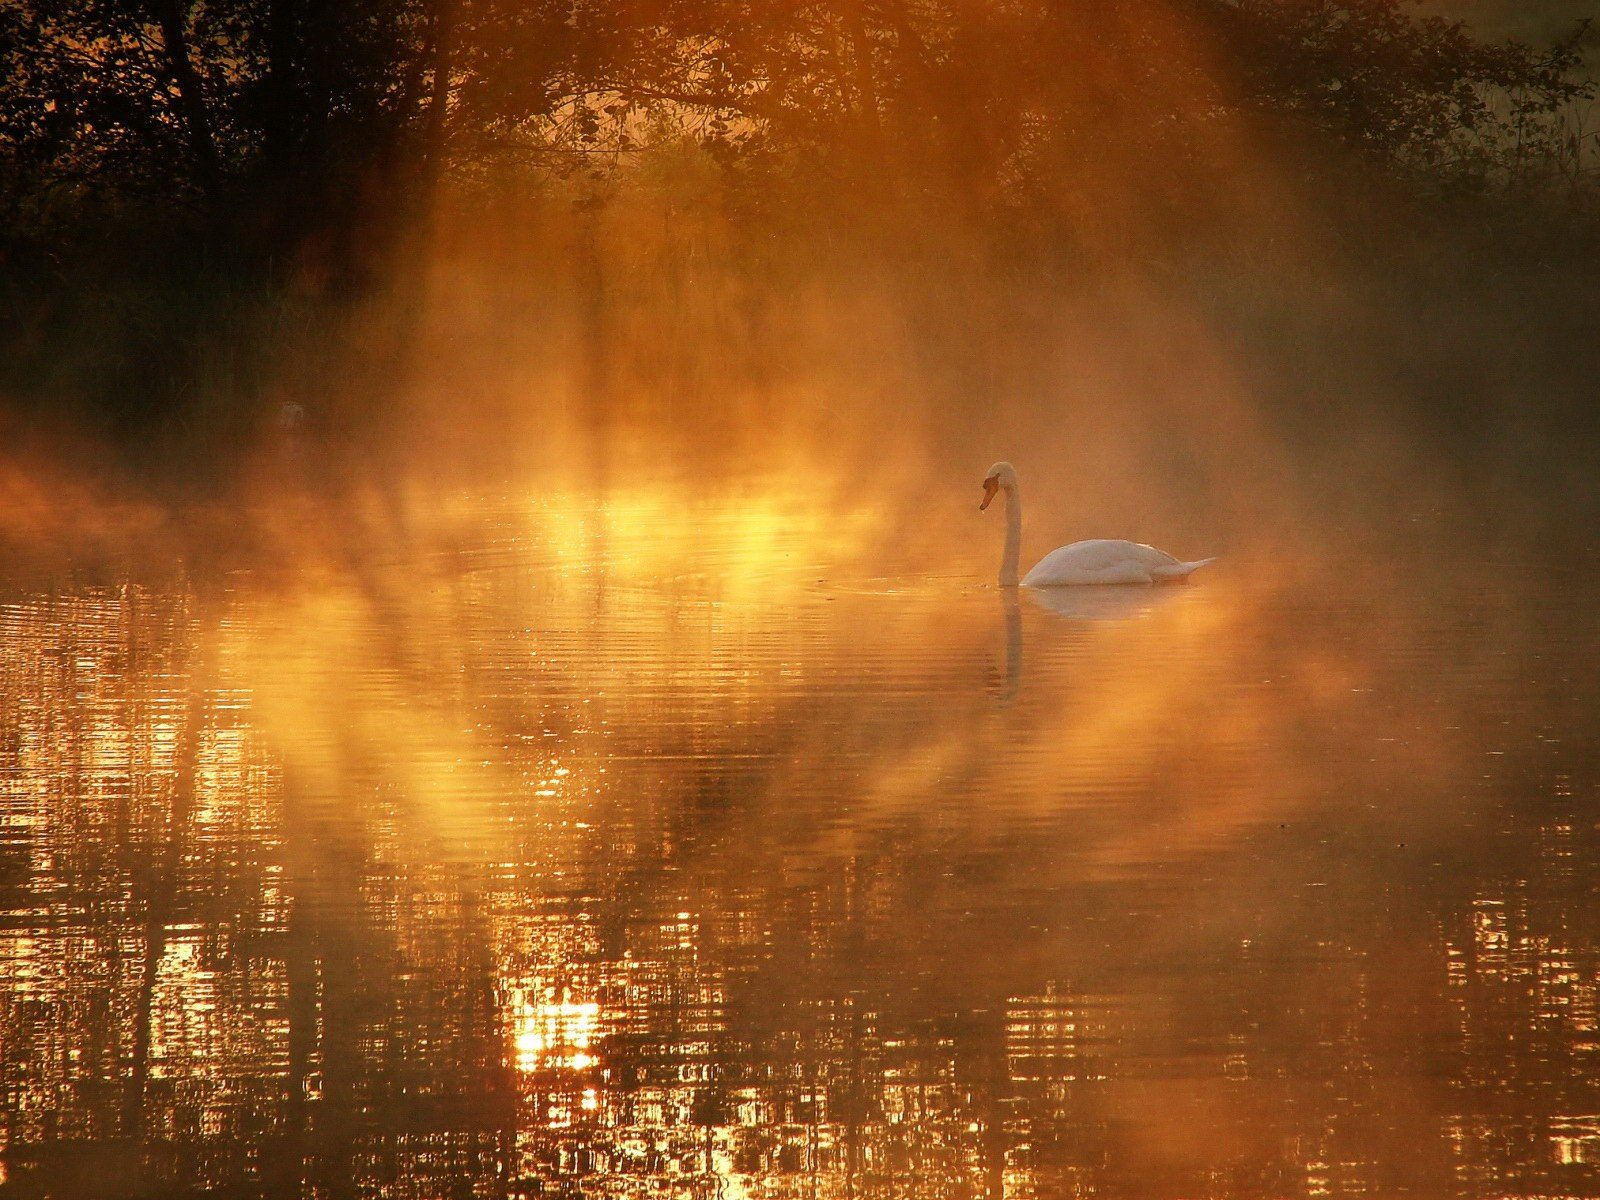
x,y
1098,561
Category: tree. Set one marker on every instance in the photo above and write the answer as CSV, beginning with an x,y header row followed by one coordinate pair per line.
x,y
306,122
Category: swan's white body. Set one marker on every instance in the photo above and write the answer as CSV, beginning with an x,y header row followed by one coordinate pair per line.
x,y
1107,561
1098,561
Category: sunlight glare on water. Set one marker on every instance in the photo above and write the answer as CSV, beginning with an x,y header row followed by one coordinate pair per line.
x,y
645,848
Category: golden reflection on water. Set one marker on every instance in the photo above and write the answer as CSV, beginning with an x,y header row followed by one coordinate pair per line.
x,y
657,849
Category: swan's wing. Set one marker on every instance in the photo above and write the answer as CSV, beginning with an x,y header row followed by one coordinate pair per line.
x,y
1087,562
1103,560
1103,554
1150,556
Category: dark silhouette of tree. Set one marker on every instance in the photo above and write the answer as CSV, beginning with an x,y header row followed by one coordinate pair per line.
x,y
989,95
303,140
316,114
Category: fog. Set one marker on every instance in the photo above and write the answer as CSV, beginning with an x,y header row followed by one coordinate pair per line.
x,y
504,685
1187,319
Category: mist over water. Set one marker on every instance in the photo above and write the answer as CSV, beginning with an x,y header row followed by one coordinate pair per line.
x,y
503,690
662,845
587,754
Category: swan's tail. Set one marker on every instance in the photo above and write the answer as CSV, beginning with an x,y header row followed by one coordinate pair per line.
x,y
1182,570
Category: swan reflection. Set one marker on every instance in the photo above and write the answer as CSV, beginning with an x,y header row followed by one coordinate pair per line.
x,y
1107,602
1103,602
1013,611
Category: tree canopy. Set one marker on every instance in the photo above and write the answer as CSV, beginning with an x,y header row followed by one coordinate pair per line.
x,y
295,117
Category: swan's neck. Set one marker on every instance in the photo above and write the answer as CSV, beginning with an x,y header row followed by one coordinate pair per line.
x,y
1013,555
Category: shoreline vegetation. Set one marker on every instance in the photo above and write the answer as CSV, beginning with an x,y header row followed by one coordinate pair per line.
x,y
480,239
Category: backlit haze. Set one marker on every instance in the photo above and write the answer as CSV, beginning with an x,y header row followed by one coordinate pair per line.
x,y
503,691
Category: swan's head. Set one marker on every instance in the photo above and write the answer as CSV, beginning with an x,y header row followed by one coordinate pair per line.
x,y
1002,477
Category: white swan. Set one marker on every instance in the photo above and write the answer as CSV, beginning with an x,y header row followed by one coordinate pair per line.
x,y
1097,561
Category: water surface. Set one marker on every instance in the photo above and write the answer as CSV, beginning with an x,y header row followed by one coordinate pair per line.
x,y
633,852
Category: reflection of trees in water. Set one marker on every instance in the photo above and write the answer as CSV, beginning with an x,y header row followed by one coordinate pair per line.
x,y
172,839
819,929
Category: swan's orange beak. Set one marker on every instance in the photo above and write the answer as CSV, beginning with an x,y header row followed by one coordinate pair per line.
x,y
991,485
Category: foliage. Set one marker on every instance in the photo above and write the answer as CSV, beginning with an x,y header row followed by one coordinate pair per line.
x,y
217,147
305,105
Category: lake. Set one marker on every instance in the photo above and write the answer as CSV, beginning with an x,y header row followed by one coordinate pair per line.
x,y
639,849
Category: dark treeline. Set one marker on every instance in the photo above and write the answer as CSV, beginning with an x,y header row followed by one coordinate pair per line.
x,y
302,120
169,163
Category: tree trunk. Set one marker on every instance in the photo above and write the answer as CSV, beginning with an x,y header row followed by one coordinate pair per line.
x,y
174,18
443,48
